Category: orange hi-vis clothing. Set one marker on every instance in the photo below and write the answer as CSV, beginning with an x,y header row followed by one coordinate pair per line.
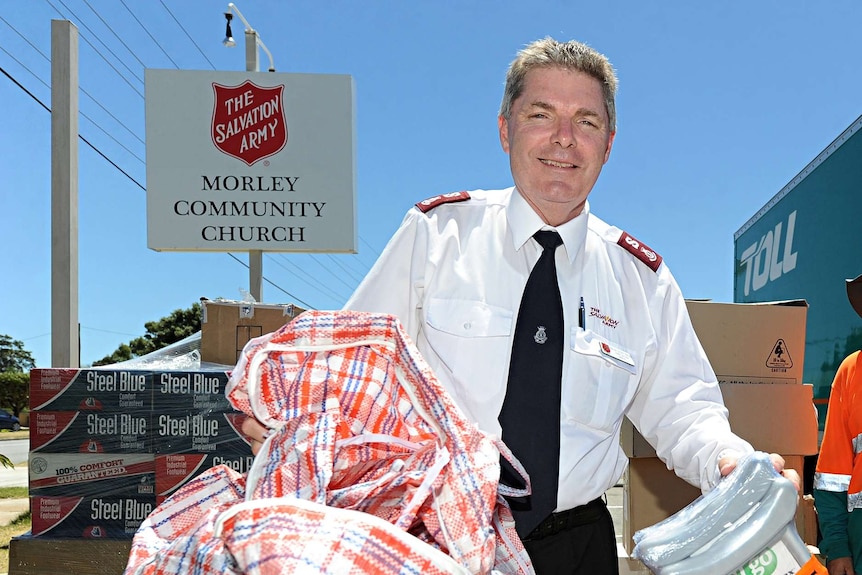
x,y
369,468
838,476
839,465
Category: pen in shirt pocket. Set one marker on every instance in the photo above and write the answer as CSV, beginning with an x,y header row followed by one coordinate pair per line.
x,y
582,315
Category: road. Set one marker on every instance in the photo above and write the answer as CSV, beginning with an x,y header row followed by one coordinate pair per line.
x,y
16,450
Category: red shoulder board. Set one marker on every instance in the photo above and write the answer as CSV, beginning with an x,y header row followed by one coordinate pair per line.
x,y
641,251
431,203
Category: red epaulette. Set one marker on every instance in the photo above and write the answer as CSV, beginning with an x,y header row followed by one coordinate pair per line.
x,y
426,205
641,251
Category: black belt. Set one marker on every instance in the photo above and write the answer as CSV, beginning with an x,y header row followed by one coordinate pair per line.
x,y
574,517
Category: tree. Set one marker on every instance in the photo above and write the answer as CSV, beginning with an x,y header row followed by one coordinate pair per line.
x,y
122,353
15,391
13,356
180,324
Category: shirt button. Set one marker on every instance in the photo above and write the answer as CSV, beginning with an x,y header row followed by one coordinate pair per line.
x,y
467,325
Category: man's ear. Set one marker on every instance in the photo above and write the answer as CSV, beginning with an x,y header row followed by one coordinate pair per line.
x,y
610,145
503,127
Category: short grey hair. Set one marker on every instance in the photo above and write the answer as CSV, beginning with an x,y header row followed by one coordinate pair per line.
x,y
571,55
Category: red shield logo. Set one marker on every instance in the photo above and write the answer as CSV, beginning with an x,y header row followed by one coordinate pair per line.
x,y
248,121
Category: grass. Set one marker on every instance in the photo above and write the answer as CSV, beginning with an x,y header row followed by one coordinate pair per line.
x,y
9,434
14,492
18,527
22,524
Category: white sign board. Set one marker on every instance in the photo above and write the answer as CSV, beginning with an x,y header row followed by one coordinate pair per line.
x,y
240,161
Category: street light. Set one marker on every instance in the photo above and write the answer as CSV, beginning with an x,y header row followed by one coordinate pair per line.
x,y
252,64
252,41
228,34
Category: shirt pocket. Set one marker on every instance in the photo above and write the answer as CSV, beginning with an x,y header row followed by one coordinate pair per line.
x,y
603,376
471,338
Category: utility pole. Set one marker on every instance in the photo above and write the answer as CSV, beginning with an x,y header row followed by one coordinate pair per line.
x,y
65,337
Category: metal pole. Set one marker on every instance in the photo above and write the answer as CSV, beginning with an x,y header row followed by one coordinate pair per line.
x,y
255,257
252,62
65,340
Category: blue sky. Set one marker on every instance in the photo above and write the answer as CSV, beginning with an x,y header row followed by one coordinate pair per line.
x,y
720,105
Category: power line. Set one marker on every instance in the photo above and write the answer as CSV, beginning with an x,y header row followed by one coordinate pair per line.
x,y
343,268
97,125
17,83
117,36
168,10
118,168
336,276
308,278
376,253
98,37
96,50
245,265
144,28
85,92
82,138
108,331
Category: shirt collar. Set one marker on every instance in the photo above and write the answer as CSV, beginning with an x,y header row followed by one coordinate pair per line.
x,y
524,222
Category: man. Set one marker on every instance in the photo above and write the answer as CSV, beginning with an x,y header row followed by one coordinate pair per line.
x,y
454,274
838,475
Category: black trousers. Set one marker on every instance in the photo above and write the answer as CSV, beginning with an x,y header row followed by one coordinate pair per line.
x,y
587,547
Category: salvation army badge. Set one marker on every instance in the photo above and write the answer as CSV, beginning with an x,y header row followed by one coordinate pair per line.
x,y
248,121
541,336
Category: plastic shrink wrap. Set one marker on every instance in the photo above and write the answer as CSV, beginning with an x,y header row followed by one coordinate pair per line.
x,y
746,525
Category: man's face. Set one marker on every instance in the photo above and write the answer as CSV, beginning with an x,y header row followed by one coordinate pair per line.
x,y
558,138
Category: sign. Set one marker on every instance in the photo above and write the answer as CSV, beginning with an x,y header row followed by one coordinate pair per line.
x,y
240,161
248,121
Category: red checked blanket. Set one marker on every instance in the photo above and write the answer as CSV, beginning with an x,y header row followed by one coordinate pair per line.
x,y
369,468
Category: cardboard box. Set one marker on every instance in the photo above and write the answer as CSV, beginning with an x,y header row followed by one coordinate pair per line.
x,y
752,342
773,418
228,325
175,470
190,391
90,432
653,493
757,353
92,474
89,517
752,345
808,527
179,431
124,390
629,566
90,389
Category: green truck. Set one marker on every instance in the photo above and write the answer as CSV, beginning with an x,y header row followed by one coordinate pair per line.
x,y
803,244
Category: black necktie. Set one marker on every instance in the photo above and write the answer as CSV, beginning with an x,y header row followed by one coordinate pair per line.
x,y
530,417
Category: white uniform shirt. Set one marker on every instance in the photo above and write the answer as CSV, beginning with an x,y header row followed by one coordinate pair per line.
x,y
454,276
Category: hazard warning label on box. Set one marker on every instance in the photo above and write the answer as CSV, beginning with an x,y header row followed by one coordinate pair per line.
x,y
779,358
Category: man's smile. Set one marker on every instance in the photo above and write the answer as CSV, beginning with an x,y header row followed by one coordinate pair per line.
x,y
556,164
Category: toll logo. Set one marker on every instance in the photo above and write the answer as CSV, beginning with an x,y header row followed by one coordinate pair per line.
x,y
765,261
248,121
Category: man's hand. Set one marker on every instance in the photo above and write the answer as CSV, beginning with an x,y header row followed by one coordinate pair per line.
x,y
840,566
256,431
728,463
